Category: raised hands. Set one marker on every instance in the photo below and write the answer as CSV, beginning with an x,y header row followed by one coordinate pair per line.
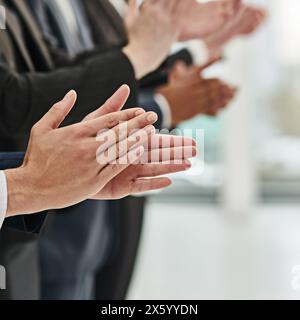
x,y
152,29
189,94
163,155
61,167
245,22
202,19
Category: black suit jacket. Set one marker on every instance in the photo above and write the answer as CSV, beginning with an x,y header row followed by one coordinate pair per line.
x,y
35,76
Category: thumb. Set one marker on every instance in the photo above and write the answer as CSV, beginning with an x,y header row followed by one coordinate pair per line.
x,y
57,114
216,57
114,104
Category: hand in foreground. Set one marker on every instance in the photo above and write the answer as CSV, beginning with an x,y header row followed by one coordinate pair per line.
x,y
190,95
201,19
163,154
60,168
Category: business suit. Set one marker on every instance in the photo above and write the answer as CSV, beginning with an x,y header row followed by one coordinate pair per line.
x,y
108,31
41,79
73,280
32,77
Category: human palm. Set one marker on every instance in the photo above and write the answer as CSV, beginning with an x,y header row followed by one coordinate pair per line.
x,y
202,19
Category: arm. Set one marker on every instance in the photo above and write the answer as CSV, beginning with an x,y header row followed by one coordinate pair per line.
x,y
23,100
65,166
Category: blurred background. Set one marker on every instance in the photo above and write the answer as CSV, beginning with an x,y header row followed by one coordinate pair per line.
x,y
233,231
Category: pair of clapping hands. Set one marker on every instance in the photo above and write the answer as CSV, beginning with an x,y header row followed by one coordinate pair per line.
x,y
64,166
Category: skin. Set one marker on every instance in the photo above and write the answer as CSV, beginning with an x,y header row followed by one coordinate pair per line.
x,y
164,155
148,45
189,95
247,20
202,19
180,21
60,167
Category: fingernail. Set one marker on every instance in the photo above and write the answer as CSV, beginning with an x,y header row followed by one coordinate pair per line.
x,y
69,95
139,112
152,117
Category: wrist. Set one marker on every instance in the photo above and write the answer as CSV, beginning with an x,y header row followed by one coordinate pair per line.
x,y
21,192
136,59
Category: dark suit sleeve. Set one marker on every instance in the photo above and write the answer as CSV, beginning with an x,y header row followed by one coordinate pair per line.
x,y
159,76
30,223
25,98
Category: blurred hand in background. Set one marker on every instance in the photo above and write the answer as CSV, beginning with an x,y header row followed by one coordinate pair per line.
x,y
152,29
246,21
189,94
202,19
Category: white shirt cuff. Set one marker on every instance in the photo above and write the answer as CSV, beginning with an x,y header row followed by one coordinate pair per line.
x,y
3,197
199,52
165,110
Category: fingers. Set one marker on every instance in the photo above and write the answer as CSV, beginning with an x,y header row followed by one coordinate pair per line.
x,y
249,20
220,101
132,5
115,103
57,114
210,88
145,185
134,119
113,170
109,153
173,155
158,148
124,130
171,5
155,170
230,7
212,61
211,96
161,141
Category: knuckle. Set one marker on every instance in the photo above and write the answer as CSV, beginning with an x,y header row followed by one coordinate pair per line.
x,y
83,131
34,129
74,132
112,121
56,107
82,150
